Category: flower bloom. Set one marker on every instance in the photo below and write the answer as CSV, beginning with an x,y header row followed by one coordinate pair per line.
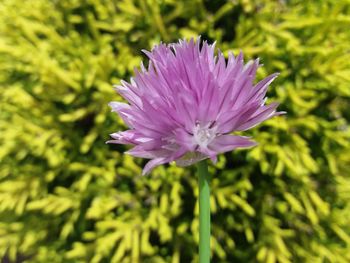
x,y
184,106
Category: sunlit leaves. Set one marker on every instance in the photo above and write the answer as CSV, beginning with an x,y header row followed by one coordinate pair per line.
x,y
65,196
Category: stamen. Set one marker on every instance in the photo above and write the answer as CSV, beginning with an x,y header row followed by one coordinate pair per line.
x,y
203,135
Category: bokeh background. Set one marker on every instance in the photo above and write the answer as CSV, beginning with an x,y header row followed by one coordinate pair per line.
x,y
66,196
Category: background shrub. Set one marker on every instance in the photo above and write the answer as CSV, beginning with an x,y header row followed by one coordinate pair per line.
x,y
65,196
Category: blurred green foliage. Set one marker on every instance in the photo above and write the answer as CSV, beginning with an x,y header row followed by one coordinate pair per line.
x,y
66,196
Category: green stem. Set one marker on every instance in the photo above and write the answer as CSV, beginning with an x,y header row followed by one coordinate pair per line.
x,y
204,212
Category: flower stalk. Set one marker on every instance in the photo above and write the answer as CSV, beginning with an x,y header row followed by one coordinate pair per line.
x,y
204,212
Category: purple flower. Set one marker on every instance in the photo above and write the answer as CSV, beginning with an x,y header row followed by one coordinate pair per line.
x,y
185,105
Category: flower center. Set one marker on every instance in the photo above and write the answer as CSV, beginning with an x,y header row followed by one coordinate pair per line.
x,y
203,135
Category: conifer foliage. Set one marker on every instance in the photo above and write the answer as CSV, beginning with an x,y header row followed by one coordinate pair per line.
x,y
66,196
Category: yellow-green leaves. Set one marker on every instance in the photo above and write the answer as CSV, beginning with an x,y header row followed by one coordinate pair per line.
x,y
66,196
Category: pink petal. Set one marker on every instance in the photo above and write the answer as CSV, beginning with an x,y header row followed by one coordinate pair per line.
x,y
225,143
185,139
153,163
228,121
125,137
264,113
162,160
259,90
147,154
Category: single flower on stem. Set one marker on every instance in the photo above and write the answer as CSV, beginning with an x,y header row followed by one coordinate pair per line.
x,y
185,106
